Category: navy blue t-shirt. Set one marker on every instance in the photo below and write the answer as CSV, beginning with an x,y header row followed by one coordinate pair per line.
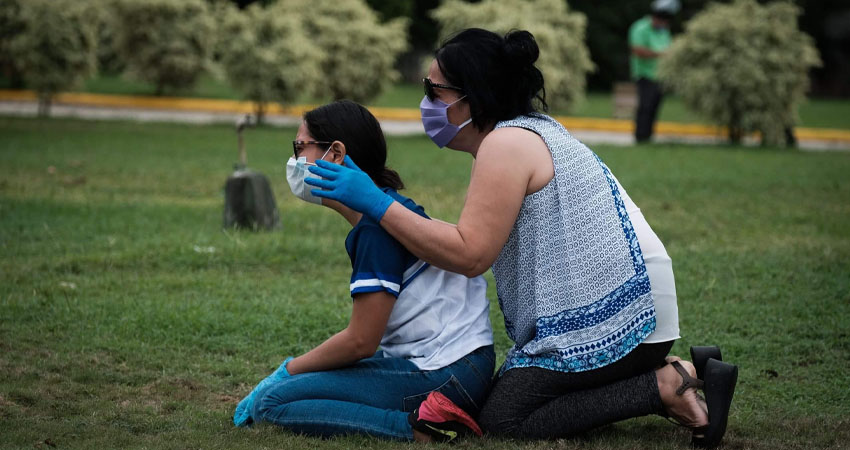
x,y
378,261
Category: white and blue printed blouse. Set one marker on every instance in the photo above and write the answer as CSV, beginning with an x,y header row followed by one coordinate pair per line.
x,y
571,279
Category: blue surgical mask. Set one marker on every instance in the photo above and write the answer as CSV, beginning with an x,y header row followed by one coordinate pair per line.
x,y
296,172
435,119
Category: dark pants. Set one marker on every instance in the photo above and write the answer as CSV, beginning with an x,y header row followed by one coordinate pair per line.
x,y
539,403
649,99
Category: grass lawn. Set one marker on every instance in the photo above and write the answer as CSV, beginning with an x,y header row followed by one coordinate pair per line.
x,y
128,318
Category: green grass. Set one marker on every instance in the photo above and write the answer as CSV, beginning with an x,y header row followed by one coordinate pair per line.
x,y
115,332
206,87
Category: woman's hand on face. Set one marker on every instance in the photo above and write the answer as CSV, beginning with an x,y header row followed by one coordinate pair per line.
x,y
349,185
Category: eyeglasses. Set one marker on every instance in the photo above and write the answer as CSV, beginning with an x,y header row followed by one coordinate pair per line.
x,y
429,88
297,146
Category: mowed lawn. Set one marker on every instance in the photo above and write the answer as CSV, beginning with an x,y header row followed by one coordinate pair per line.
x,y
130,319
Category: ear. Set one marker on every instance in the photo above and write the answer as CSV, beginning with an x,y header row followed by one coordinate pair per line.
x,y
337,153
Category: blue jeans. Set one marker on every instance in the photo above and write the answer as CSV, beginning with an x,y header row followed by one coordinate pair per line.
x,y
374,396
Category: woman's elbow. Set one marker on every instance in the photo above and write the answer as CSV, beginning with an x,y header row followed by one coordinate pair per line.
x,y
365,352
364,346
473,272
474,268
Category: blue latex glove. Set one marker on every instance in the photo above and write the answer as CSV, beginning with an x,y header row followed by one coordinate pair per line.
x,y
350,186
242,415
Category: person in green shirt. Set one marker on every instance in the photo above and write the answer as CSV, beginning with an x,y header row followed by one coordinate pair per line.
x,y
649,37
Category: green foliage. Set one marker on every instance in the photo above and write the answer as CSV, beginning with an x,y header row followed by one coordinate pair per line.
x,y
54,49
168,43
266,57
388,9
108,60
743,65
564,58
359,52
10,26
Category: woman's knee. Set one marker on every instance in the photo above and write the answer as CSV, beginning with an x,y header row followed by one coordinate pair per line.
x,y
497,420
271,398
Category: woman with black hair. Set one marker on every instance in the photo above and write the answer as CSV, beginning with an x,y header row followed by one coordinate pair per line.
x,y
433,327
585,285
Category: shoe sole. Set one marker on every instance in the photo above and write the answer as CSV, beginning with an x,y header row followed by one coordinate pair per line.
x,y
720,380
451,412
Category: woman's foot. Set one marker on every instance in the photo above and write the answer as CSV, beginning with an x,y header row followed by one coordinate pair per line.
x,y
672,358
439,419
685,406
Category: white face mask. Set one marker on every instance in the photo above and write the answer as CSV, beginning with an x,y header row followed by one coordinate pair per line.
x,y
296,172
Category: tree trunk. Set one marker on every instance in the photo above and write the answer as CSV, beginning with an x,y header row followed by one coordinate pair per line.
x,y
735,135
44,101
735,132
260,112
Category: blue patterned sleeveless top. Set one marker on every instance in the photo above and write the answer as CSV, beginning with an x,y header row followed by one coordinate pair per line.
x,y
571,279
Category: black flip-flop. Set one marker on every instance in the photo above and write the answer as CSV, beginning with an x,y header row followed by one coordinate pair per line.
x,y
701,354
719,388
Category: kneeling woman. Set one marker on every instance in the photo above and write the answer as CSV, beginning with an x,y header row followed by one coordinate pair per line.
x,y
432,325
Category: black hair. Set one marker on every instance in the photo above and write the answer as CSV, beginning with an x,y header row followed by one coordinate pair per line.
x,y
496,73
353,125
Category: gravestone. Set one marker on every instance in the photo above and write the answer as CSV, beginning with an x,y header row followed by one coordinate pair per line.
x,y
248,198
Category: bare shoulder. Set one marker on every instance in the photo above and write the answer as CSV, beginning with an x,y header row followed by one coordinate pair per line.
x,y
522,150
512,137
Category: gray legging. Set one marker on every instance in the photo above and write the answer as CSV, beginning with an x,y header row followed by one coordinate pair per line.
x,y
540,403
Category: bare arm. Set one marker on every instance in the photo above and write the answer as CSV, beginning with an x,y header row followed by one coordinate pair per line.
x,y
505,169
369,316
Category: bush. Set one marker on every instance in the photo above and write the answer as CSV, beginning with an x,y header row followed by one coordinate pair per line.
x,y
108,60
55,47
358,52
164,42
564,58
10,26
743,65
266,56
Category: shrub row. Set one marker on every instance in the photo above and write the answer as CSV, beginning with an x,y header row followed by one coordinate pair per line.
x,y
326,48
743,65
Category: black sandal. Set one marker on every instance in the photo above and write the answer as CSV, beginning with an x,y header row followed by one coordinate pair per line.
x,y
719,388
701,354
687,382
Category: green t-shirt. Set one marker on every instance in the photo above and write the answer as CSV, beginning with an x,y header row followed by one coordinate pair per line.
x,y
642,34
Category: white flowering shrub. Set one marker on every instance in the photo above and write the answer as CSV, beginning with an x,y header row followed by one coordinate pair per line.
x,y
743,65
108,60
54,47
564,57
164,42
265,56
358,52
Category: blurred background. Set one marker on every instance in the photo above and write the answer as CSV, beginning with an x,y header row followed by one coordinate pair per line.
x,y
290,52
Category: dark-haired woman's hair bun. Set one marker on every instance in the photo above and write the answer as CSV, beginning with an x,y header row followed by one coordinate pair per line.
x,y
521,48
496,72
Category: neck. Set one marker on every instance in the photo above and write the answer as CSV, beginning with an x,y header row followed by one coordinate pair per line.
x,y
352,216
472,141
